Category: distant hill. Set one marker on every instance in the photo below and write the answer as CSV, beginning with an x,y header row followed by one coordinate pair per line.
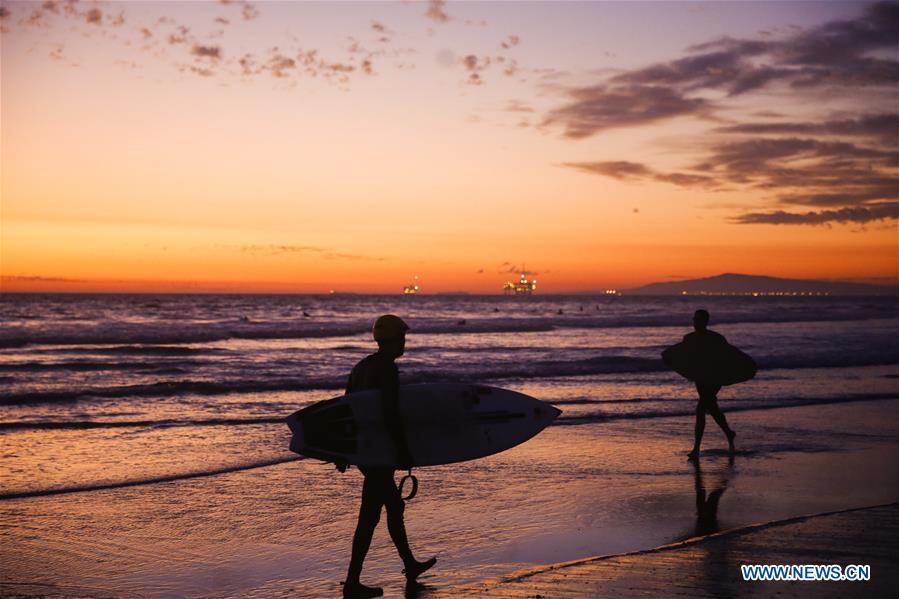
x,y
737,284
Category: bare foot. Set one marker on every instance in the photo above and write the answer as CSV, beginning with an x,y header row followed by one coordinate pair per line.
x,y
418,568
730,441
357,590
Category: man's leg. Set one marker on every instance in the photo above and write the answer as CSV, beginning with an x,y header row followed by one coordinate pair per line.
x,y
369,515
718,415
698,430
396,524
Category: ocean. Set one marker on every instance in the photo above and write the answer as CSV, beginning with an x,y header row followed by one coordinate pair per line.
x,y
150,428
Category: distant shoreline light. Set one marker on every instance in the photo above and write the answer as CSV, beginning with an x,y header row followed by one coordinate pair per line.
x,y
758,293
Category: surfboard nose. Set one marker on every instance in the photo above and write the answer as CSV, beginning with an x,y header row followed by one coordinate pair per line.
x,y
546,412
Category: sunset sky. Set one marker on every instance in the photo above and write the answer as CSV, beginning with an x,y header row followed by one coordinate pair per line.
x,y
304,146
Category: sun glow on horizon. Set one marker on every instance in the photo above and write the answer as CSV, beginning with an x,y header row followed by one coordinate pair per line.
x,y
308,147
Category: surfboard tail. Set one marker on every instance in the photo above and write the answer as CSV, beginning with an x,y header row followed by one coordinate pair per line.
x,y
297,440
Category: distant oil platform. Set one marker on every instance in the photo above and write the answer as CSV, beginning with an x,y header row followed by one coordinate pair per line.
x,y
523,286
413,288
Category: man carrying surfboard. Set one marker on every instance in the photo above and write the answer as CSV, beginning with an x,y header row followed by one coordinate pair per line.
x,y
379,371
704,346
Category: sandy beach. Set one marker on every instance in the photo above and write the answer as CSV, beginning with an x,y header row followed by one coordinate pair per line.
x,y
710,566
573,492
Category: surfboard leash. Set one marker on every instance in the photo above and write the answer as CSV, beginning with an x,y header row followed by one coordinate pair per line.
x,y
414,480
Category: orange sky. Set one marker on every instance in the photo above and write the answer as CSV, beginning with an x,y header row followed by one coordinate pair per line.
x,y
308,147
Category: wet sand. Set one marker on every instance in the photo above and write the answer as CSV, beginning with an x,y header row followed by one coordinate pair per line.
x,y
710,566
571,492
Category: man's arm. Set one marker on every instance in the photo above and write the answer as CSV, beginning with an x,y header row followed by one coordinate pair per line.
x,y
390,399
349,384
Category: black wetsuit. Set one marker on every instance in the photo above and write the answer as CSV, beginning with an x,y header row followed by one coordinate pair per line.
x,y
704,345
379,371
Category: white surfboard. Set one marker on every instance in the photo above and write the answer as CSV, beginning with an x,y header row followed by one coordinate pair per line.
x,y
444,423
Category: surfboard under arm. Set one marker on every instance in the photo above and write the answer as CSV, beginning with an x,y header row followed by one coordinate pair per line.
x,y
444,423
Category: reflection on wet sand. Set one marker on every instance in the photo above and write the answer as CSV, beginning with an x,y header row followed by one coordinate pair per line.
x,y
716,561
707,500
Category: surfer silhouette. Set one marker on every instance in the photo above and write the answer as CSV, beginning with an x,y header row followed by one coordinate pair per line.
x,y
703,343
379,371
